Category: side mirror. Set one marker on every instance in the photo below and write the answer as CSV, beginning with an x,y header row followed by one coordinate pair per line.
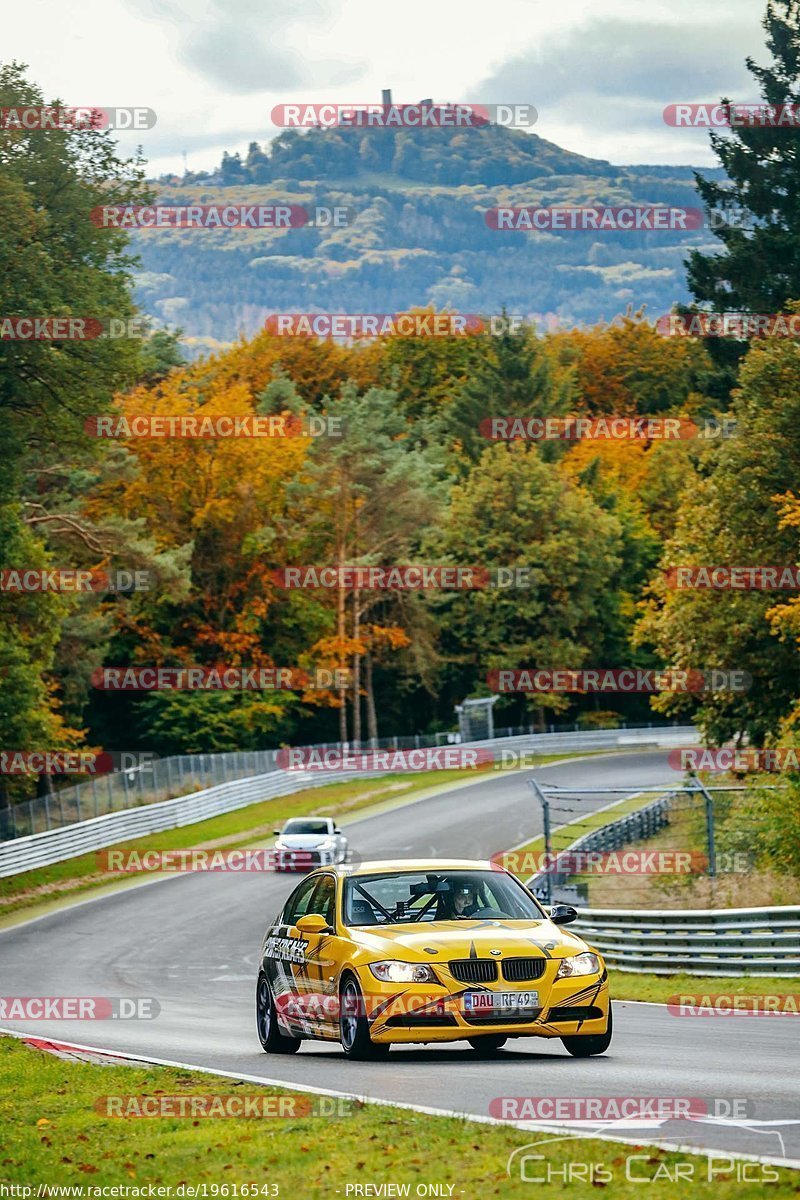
x,y
336,829
312,923
563,914
277,832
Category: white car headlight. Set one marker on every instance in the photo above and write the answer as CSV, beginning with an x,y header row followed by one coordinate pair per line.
x,y
579,964
401,972
326,845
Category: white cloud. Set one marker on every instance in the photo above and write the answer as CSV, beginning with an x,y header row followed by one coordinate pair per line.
x,y
599,71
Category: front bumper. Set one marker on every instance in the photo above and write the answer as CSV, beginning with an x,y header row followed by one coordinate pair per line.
x,y
429,1012
303,860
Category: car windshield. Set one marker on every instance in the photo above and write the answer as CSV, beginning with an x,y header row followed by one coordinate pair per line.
x,y
414,896
307,825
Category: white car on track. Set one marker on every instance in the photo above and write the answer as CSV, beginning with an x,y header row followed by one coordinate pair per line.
x,y
308,842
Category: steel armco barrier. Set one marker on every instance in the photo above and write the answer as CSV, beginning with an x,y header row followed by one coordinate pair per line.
x,y
722,941
55,845
746,941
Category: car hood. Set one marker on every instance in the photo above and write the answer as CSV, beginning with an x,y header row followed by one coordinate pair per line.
x,y
469,939
303,841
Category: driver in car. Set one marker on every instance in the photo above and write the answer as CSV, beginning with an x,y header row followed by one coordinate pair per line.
x,y
462,901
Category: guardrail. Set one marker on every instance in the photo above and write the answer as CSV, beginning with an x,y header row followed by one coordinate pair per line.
x,y
722,941
165,778
81,837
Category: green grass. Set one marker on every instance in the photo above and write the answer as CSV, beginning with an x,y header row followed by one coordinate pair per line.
x,y
244,826
625,985
52,1134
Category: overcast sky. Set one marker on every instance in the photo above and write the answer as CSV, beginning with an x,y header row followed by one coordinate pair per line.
x,y
599,72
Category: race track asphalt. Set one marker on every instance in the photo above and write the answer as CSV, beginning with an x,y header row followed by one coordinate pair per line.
x,y
192,942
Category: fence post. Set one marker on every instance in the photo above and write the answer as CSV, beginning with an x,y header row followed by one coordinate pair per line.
x,y
548,846
712,853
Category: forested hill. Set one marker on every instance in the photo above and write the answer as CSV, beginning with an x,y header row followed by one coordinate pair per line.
x,y
418,235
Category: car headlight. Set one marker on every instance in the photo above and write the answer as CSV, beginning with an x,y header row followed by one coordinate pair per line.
x,y
579,964
279,846
401,972
326,845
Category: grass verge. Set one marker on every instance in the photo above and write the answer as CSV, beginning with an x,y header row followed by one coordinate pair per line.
x,y
54,1136
659,989
734,885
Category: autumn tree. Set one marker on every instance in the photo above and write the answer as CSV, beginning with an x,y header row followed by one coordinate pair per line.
x,y
365,499
54,262
516,510
738,513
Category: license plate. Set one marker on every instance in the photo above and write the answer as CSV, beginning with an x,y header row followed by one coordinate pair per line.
x,y
491,1002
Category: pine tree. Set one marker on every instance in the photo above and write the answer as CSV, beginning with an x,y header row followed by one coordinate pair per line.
x,y
515,378
759,270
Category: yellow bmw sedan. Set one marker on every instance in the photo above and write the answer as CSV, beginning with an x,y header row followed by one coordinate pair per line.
x,y
426,951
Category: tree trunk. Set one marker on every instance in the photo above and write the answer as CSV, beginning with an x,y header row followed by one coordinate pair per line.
x,y
44,786
356,672
372,718
340,626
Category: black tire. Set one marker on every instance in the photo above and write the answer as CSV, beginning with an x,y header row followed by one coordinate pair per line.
x,y
488,1044
353,1024
270,1036
597,1043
